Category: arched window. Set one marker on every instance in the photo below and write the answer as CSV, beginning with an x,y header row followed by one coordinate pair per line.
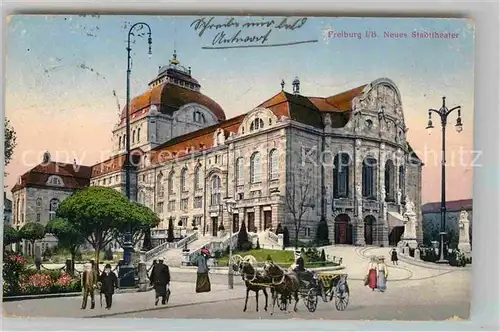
x,y
274,167
389,181
257,124
197,183
215,191
369,178
133,136
119,142
402,182
240,175
53,206
184,179
198,117
171,183
159,186
55,181
138,135
255,168
342,164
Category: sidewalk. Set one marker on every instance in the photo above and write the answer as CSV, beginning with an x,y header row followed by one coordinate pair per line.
x,y
183,294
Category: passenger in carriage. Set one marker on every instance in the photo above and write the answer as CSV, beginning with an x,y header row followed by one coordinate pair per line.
x,y
307,275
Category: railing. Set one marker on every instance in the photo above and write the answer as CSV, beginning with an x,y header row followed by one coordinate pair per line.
x,y
187,240
272,237
149,255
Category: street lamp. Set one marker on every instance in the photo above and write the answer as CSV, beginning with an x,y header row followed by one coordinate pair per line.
x,y
230,203
443,113
127,238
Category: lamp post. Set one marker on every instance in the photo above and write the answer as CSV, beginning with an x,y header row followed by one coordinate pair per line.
x,y
443,113
127,238
230,203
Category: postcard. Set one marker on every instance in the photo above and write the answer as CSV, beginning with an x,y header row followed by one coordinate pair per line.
x,y
238,167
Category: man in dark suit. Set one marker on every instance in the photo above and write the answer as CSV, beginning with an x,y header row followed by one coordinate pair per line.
x,y
89,283
109,282
160,279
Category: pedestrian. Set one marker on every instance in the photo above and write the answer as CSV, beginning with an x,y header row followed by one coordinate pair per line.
x,y
394,256
160,280
371,275
89,284
382,274
109,282
202,279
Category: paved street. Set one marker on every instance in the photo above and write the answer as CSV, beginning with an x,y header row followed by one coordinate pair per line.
x,y
414,293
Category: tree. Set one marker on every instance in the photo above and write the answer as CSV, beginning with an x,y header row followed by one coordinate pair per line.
x,y
144,220
98,212
243,242
322,233
299,197
323,256
10,142
286,237
170,230
68,237
31,232
10,235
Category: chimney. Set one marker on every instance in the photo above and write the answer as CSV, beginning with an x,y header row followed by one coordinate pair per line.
x,y
46,158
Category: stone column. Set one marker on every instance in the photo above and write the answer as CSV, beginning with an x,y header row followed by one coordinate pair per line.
x,y
274,217
258,218
359,231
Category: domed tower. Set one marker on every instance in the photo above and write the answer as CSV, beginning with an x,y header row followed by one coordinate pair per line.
x,y
173,106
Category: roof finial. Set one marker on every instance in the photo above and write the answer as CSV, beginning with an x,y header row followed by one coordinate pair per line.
x,y
174,60
282,84
296,86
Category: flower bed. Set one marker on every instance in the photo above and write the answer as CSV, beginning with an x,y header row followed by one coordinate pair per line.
x,y
17,280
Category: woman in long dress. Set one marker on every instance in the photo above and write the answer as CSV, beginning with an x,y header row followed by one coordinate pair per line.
x,y
382,274
202,279
371,274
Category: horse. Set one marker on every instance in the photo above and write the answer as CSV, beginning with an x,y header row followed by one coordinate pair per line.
x,y
284,283
255,282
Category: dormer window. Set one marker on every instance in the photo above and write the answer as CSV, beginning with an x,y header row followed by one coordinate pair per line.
x,y
256,124
55,181
198,117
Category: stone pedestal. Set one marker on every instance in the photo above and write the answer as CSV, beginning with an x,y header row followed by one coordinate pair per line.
x,y
417,254
185,257
410,233
464,240
406,251
143,277
280,240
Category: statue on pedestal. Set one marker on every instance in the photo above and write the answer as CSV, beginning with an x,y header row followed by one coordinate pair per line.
x,y
410,232
464,238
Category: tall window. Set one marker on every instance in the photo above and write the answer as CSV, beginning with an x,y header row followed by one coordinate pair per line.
x,y
159,186
369,178
119,142
138,135
255,168
389,181
197,184
215,187
133,136
184,179
171,183
342,163
257,124
274,167
240,179
53,206
402,182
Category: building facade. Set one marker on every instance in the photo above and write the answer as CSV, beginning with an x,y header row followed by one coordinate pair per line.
x,y
343,160
38,193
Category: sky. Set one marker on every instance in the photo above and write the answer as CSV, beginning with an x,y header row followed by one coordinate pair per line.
x,y
61,72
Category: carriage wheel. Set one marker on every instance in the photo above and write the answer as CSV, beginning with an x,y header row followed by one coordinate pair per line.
x,y
249,258
311,300
341,295
234,262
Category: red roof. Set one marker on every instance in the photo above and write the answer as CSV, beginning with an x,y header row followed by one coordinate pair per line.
x,y
115,163
452,206
169,98
74,176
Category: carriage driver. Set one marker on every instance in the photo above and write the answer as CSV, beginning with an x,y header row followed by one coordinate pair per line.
x,y
302,273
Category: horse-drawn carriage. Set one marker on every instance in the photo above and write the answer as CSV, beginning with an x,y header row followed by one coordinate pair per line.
x,y
308,286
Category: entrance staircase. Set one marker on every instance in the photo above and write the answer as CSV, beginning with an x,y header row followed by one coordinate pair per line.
x,y
268,240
